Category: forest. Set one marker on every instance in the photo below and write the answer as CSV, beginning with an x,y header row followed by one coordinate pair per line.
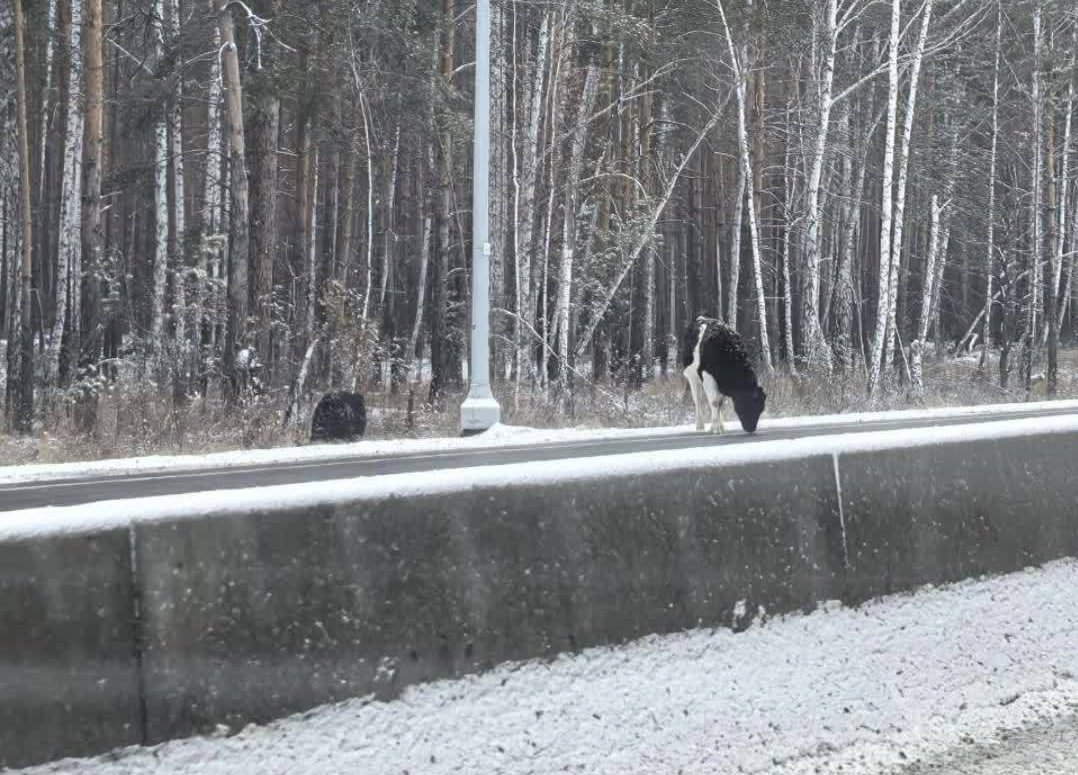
x,y
212,211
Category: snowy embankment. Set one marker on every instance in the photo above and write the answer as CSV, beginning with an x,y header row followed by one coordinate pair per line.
x,y
499,436
856,691
29,523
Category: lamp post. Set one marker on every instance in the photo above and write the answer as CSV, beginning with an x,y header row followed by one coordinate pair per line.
x,y
480,409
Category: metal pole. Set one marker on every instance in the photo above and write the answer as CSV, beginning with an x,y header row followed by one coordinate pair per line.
x,y
480,409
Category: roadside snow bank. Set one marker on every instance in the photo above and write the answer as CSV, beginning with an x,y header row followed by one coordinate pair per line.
x,y
27,523
853,691
498,436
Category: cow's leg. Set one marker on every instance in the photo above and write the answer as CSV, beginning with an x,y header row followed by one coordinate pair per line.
x,y
715,399
697,389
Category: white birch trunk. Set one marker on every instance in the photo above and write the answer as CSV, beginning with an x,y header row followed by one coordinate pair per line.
x,y
70,247
789,186
1037,138
814,344
311,249
1064,184
900,194
364,109
178,197
746,173
546,331
160,199
211,212
989,255
50,30
391,230
924,316
883,313
735,245
525,203
579,143
424,268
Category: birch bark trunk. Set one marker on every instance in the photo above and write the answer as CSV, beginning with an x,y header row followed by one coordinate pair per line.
x,y
525,205
1037,138
883,313
70,197
989,254
816,353
21,400
900,194
745,174
160,201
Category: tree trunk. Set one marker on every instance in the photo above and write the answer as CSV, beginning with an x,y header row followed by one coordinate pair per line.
x,y
900,194
239,225
87,344
816,353
525,206
989,254
883,312
210,249
71,199
21,399
440,351
924,312
160,202
1059,233
178,249
264,124
579,143
1029,337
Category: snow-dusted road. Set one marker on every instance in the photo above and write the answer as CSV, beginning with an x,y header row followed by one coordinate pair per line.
x,y
28,487
872,690
1045,749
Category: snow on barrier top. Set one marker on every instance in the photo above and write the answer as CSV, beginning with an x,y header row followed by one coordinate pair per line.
x,y
85,518
498,436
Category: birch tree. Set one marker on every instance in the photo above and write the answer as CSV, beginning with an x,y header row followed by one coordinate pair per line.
x,y
1034,296
883,312
740,88
816,352
989,255
900,193
68,259
21,399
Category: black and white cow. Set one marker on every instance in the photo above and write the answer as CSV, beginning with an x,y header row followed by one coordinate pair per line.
x,y
717,366
339,417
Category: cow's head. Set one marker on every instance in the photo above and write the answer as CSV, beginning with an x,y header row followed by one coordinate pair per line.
x,y
749,405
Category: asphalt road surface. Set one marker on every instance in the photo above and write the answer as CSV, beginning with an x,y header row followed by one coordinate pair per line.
x,y
1050,749
72,492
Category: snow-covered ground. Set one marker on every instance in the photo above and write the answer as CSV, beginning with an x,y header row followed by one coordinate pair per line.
x,y
859,691
499,436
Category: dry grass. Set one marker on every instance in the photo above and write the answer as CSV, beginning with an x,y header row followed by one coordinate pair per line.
x,y
137,418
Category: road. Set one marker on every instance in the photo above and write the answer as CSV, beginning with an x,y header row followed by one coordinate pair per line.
x,y
71,492
1049,749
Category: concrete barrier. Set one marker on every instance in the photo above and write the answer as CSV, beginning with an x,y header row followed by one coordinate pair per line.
x,y
251,616
68,667
274,604
938,514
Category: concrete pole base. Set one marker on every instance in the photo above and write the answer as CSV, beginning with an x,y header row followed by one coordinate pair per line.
x,y
479,413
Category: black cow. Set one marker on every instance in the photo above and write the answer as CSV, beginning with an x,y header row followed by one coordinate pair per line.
x,y
339,417
716,366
